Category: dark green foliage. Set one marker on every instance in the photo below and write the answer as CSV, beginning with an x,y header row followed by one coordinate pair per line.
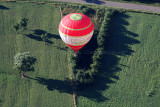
x,y
86,10
82,79
72,61
83,76
100,12
24,61
81,7
105,28
16,27
101,41
22,25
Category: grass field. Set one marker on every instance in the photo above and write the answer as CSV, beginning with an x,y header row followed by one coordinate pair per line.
x,y
130,74
46,86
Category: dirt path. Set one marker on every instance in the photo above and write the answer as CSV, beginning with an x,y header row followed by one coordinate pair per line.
x,y
115,4
74,91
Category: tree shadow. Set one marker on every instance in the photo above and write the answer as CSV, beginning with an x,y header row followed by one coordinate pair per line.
x,y
41,32
101,81
95,92
32,36
118,44
65,86
33,62
36,35
3,7
53,36
94,1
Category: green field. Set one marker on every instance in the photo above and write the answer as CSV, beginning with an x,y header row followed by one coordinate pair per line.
x,y
130,75
46,86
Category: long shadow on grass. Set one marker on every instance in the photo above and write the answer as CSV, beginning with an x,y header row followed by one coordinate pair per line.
x,y
36,35
40,32
118,44
63,86
94,1
3,7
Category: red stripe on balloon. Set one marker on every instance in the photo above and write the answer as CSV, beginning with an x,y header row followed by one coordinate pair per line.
x,y
76,48
76,24
76,33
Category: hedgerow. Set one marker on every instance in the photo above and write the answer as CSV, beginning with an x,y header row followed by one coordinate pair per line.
x,y
101,41
84,77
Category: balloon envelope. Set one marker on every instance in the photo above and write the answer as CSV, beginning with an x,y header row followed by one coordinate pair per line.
x,y
76,30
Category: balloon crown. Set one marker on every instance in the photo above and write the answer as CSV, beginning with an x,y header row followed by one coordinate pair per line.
x,y
76,17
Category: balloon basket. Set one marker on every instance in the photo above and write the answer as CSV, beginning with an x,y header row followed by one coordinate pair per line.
x,y
75,54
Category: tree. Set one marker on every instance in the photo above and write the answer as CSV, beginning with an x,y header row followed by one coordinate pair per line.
x,y
16,27
22,25
24,62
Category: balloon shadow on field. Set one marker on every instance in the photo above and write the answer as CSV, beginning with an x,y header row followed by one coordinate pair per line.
x,y
94,1
3,7
117,44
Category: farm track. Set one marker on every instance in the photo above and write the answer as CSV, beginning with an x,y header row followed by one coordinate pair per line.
x,y
74,91
115,4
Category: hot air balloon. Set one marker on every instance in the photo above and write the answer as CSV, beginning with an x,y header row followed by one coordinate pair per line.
x,y
76,29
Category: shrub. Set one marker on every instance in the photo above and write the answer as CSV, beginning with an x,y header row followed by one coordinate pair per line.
x,y
24,62
101,40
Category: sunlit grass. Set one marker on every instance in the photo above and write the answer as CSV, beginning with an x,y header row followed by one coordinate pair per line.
x,y
51,61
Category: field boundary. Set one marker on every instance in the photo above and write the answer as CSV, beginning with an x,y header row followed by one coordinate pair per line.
x,y
72,84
